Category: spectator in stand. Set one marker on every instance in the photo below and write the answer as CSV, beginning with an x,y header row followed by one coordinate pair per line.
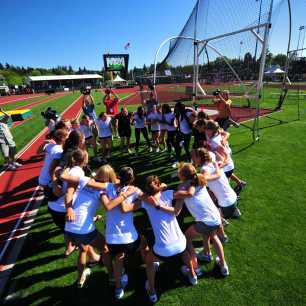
x,y
124,128
7,143
111,101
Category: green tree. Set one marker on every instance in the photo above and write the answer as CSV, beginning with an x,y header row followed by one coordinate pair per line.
x,y
36,72
279,59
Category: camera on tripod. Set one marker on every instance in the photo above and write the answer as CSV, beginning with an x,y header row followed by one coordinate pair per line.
x,y
50,114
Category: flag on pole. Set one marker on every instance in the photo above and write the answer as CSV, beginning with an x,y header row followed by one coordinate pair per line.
x,y
127,46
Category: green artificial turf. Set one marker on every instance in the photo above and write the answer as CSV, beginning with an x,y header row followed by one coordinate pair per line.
x,y
266,252
14,105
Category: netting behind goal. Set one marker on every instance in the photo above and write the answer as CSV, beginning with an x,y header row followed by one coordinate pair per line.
x,y
227,55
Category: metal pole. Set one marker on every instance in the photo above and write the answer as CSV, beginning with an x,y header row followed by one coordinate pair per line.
x,y
285,79
240,47
195,55
300,30
303,41
261,74
259,18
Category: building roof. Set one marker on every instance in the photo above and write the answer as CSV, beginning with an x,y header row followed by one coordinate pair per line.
x,y
64,77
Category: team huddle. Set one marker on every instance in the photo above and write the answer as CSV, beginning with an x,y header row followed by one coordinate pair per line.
x,y
204,172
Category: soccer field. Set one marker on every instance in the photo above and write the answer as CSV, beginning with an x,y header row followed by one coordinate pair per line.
x,y
266,252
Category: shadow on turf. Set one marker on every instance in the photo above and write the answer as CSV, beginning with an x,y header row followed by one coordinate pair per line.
x,y
97,290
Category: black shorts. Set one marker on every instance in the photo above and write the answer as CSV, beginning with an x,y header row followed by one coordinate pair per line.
x,y
128,248
59,218
229,173
228,211
106,138
88,138
174,259
125,133
82,239
155,132
205,229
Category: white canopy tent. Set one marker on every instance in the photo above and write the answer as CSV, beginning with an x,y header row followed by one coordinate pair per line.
x,y
276,71
118,79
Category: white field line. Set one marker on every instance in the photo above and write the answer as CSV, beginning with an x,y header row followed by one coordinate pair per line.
x,y
131,94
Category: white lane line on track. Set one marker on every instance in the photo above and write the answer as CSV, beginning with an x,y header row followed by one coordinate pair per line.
x,y
39,198
17,100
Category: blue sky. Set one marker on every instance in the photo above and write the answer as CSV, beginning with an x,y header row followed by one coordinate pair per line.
x,y
46,33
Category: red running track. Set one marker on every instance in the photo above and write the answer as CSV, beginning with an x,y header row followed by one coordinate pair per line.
x,y
16,98
19,195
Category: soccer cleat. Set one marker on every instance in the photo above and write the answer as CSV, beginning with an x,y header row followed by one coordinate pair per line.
x,y
84,277
150,149
156,265
243,184
175,164
237,213
204,257
119,293
223,269
224,239
157,150
152,296
124,280
193,280
225,222
185,270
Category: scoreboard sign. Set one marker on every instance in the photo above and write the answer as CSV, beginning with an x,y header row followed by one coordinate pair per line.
x,y
116,62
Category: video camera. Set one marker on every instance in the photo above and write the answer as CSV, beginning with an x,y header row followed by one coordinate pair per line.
x,y
217,92
86,90
50,114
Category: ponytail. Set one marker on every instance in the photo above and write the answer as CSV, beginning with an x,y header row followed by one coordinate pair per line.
x,y
188,172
